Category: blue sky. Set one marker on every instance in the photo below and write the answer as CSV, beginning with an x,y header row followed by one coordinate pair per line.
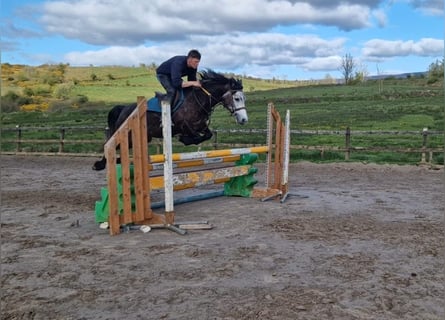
x,y
283,39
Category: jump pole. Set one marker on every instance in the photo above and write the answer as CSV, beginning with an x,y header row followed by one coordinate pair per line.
x,y
168,162
168,175
209,154
286,159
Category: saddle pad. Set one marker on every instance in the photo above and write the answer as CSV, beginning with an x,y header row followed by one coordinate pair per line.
x,y
154,105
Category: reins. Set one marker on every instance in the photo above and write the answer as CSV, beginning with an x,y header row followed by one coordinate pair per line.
x,y
207,111
220,101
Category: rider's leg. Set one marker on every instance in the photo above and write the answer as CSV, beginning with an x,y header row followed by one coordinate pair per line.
x,y
165,81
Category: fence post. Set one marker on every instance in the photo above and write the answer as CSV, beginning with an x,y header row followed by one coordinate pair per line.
x,y
215,139
348,143
424,143
19,138
62,138
107,133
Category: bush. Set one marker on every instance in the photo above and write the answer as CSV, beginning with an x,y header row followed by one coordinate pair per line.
x,y
59,106
11,102
435,70
43,90
63,91
51,79
80,99
28,92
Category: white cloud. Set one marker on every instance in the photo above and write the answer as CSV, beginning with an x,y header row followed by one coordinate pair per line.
x,y
253,37
226,52
323,64
133,22
429,7
378,48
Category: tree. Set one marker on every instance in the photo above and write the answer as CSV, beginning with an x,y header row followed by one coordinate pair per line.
x,y
347,67
435,71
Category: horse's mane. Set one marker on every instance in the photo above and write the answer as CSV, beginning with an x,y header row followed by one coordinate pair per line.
x,y
211,77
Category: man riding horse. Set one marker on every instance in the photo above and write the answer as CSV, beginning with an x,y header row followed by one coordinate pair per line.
x,y
171,71
192,116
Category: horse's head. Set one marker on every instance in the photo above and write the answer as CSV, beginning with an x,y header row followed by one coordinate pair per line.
x,y
234,101
232,95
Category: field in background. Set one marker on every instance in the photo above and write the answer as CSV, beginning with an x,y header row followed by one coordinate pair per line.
x,y
86,94
103,84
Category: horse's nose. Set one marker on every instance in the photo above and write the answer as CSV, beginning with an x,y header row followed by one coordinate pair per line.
x,y
241,117
242,120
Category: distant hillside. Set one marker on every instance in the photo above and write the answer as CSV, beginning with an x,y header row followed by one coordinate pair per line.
x,y
57,86
399,76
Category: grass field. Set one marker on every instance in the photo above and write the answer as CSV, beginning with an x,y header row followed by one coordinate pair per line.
x,y
378,105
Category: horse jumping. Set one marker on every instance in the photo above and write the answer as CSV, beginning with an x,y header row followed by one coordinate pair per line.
x,y
191,112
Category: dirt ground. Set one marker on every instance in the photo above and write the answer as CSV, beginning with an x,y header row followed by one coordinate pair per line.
x,y
353,241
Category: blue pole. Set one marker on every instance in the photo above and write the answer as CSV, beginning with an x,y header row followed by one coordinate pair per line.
x,y
197,197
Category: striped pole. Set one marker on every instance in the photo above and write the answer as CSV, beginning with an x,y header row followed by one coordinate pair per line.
x,y
195,163
187,180
158,158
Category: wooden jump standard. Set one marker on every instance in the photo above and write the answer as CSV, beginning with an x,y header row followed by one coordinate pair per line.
x,y
141,184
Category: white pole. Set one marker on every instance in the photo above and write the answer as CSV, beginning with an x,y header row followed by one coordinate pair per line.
x,y
285,176
269,144
167,150
286,155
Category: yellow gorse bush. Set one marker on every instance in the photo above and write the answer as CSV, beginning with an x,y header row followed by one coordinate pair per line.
x,y
35,107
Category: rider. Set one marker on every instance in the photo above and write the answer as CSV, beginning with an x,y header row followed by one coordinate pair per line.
x,y
171,71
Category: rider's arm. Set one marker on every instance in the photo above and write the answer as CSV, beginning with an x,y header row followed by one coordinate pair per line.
x,y
186,84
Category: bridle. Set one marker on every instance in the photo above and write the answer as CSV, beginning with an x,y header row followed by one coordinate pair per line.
x,y
227,100
235,95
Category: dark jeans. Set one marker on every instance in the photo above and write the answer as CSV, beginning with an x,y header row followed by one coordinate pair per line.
x,y
167,84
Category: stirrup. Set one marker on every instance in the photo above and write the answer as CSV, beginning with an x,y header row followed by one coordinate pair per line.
x,y
162,96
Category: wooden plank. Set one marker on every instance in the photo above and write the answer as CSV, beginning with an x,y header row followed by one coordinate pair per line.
x,y
142,114
277,154
270,129
126,217
138,166
113,215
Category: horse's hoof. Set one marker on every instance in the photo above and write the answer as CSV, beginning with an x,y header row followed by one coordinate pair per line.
x,y
98,166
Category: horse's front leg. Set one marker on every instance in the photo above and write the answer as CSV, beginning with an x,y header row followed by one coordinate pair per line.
x,y
197,138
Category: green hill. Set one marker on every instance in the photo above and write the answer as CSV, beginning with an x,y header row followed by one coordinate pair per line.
x,y
99,84
61,95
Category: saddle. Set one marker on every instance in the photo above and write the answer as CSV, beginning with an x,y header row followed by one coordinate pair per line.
x,y
154,104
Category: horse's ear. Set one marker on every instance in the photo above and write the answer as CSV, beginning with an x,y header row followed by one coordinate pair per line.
x,y
236,84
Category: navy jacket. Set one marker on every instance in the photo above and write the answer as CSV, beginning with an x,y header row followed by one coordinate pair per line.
x,y
176,68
